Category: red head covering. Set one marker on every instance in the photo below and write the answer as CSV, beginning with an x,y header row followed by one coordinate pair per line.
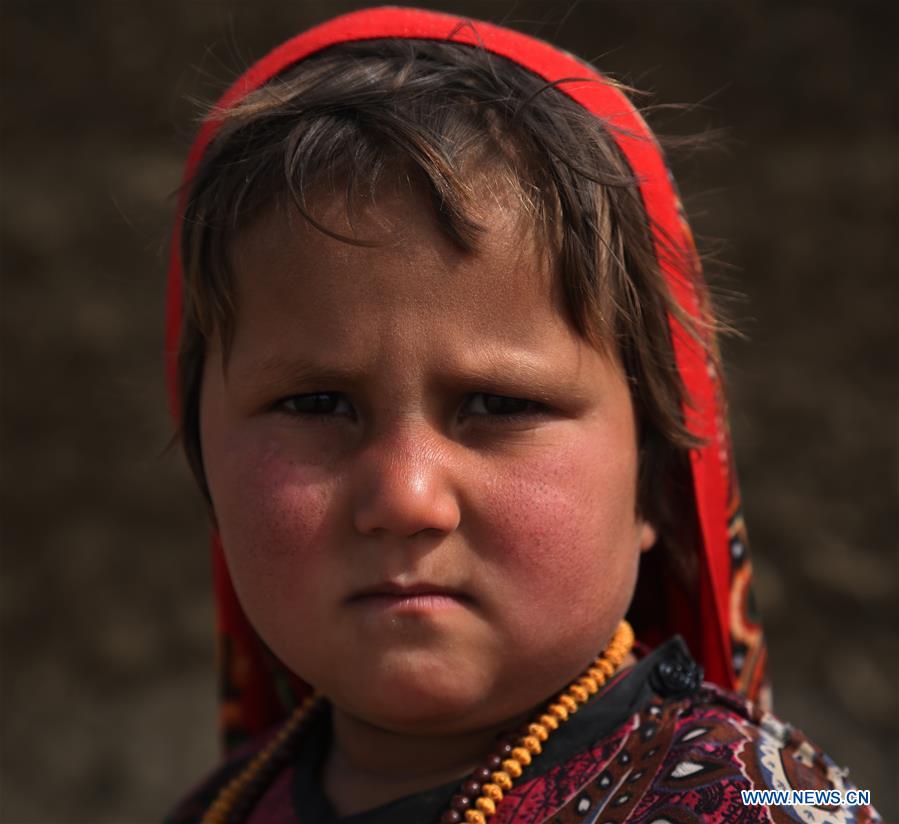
x,y
718,622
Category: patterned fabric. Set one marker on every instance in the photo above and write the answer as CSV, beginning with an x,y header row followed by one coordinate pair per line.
x,y
718,618
687,761
672,759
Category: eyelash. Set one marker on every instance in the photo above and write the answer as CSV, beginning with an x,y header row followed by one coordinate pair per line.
x,y
284,405
334,398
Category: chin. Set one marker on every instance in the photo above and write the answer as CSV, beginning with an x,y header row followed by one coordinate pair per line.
x,y
416,696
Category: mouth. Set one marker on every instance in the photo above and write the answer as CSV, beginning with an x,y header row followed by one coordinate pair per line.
x,y
419,597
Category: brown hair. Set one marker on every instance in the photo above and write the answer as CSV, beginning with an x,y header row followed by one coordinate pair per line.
x,y
345,116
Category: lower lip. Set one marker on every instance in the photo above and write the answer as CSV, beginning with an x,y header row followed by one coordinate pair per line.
x,y
425,602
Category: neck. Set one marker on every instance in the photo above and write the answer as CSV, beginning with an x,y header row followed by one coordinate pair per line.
x,y
368,766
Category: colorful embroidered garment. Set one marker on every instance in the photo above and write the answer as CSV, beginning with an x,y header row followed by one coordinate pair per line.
x,y
656,745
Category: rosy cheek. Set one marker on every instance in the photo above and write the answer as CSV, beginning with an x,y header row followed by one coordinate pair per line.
x,y
273,509
559,517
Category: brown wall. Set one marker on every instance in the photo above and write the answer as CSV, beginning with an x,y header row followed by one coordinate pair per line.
x,y
107,693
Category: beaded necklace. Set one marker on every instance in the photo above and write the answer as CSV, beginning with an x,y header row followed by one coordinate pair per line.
x,y
478,795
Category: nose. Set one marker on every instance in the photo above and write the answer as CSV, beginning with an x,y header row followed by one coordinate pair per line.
x,y
403,487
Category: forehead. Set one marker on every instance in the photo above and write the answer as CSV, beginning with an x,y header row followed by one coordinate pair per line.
x,y
401,272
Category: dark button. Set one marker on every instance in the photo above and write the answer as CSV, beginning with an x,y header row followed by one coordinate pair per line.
x,y
676,676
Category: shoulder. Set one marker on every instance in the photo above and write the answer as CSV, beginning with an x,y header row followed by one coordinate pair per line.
x,y
696,753
716,746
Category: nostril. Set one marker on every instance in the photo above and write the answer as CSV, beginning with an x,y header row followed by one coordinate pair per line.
x,y
406,507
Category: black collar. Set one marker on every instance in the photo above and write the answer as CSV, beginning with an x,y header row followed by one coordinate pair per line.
x,y
668,671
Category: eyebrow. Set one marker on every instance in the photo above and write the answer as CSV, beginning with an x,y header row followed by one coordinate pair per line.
x,y
294,370
519,372
508,370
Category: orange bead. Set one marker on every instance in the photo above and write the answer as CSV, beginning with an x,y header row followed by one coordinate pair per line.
x,y
539,731
475,817
493,792
606,667
486,806
597,675
511,766
579,693
522,755
589,684
532,744
568,702
502,780
549,721
559,711
216,813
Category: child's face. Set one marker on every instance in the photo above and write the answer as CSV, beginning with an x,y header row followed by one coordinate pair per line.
x,y
357,443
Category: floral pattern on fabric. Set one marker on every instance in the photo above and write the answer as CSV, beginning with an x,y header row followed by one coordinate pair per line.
x,y
687,761
677,761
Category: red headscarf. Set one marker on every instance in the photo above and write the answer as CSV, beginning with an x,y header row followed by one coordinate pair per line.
x,y
717,620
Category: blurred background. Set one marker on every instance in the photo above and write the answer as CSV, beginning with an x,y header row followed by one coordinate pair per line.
x,y
108,700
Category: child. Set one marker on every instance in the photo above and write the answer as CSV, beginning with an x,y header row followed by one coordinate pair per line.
x,y
445,373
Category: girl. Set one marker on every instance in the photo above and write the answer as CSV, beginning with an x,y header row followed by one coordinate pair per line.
x,y
446,375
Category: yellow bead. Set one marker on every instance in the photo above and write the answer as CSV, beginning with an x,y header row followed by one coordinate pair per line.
x,y
579,693
493,792
532,744
502,780
539,731
597,675
486,806
568,702
522,755
559,711
263,756
549,721
511,766
216,813
475,817
589,684
606,667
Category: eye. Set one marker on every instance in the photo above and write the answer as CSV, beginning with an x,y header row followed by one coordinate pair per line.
x,y
483,403
326,404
